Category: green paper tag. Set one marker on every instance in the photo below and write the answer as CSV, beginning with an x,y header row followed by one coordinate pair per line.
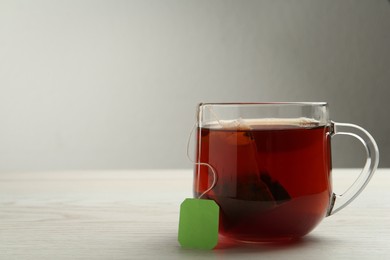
x,y
198,224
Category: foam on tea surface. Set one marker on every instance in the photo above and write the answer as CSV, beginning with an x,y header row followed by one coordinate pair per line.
x,y
263,123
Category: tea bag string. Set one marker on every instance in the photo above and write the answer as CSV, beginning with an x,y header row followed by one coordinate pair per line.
x,y
200,164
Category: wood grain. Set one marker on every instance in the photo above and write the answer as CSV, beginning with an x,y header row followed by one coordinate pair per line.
x,y
134,215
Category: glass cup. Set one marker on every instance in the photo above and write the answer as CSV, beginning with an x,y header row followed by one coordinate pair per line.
x,y
268,166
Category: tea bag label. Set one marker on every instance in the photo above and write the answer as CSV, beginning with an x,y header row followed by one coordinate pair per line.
x,y
198,224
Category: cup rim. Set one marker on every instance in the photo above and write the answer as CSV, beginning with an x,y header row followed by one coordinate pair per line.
x,y
321,103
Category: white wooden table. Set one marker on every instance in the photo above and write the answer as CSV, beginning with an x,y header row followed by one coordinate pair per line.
x,y
134,215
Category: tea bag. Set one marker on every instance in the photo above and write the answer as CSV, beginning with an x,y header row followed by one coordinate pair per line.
x,y
262,189
253,189
259,187
279,193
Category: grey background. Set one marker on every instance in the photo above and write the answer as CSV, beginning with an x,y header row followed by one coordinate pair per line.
x,y
114,84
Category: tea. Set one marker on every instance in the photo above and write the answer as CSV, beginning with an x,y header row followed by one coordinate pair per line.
x,y
273,176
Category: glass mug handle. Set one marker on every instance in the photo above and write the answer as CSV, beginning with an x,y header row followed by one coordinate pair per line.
x,y
339,201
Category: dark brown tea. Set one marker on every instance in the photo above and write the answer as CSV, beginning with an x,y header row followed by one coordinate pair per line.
x,y
273,179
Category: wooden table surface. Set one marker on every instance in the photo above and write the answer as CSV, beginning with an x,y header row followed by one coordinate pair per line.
x,y
134,215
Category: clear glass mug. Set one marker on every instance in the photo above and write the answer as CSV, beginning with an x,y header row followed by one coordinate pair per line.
x,y
268,166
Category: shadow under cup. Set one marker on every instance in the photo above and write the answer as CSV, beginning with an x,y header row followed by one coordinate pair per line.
x,y
273,180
